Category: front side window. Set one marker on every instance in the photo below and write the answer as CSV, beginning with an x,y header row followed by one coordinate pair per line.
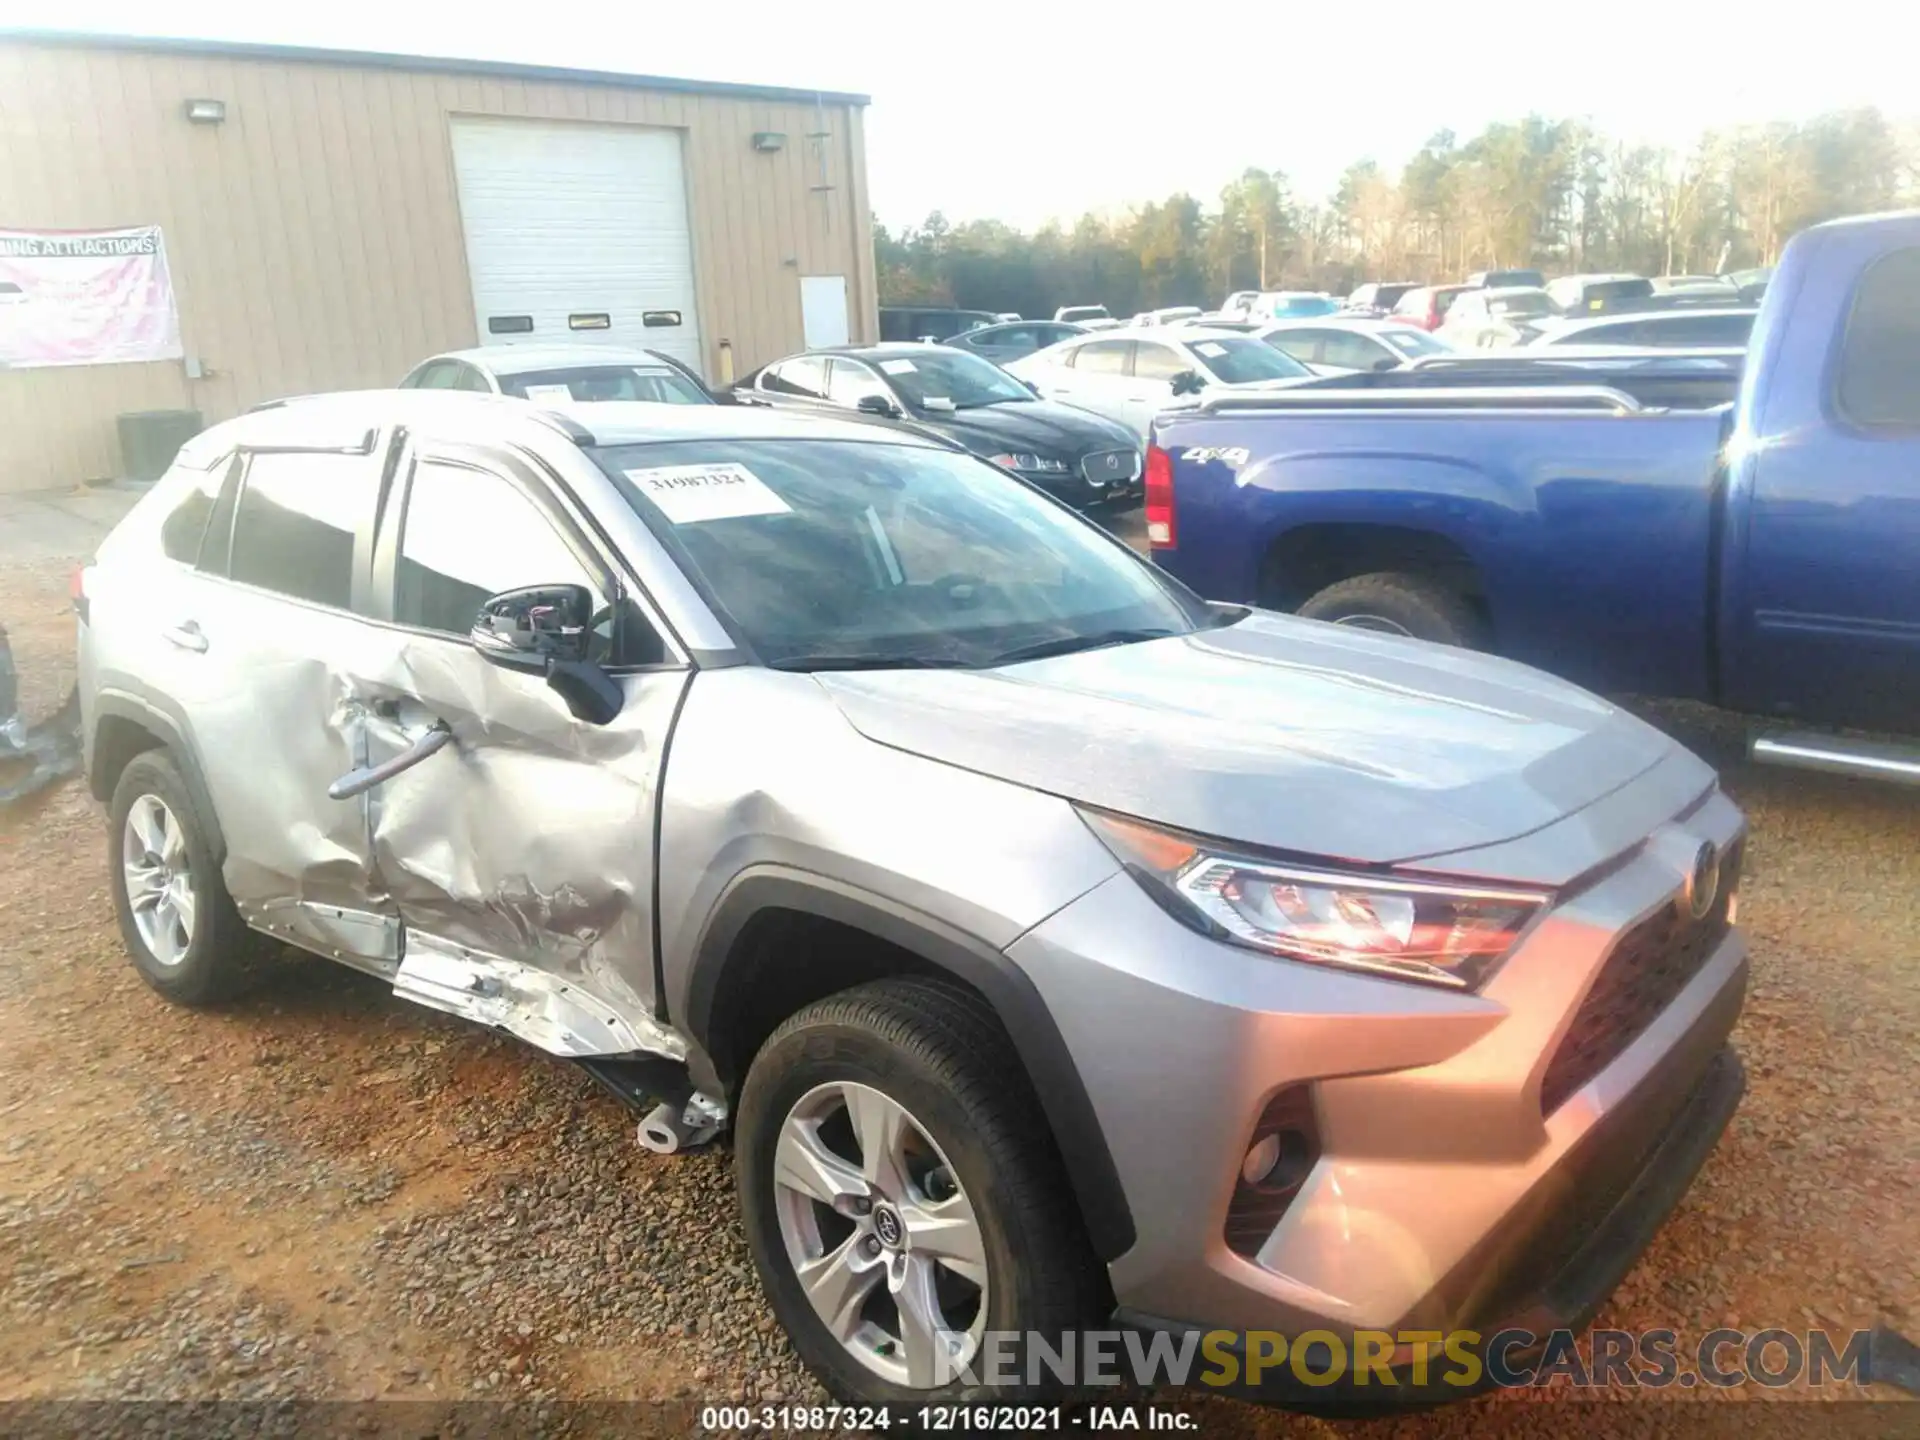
x,y
1158,362
1242,360
655,384
296,522
849,382
826,554
802,375
468,535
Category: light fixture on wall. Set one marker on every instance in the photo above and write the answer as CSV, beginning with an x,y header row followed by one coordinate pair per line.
x,y
768,141
206,112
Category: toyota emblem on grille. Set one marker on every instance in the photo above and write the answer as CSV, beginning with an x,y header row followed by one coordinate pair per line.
x,y
1703,882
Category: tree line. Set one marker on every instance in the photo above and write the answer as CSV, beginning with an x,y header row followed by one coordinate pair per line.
x,y
1554,194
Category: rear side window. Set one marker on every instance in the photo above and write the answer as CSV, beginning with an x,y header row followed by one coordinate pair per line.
x,y
1103,357
296,522
1879,382
185,527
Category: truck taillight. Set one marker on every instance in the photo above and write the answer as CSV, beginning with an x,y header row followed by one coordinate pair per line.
x,y
1159,493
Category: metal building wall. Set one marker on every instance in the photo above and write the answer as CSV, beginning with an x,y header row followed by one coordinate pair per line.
x,y
314,236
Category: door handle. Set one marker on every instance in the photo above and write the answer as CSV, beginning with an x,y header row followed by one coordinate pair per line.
x,y
357,782
187,635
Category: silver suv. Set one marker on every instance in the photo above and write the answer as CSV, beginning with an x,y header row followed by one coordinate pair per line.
x,y
1060,950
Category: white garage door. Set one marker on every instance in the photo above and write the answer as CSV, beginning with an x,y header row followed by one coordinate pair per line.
x,y
577,233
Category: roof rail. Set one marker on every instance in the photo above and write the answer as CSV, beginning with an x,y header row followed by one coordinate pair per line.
x,y
1514,397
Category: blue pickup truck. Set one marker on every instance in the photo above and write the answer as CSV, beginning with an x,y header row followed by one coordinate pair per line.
x,y
1751,540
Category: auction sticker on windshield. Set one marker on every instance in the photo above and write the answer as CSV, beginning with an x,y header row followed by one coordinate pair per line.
x,y
689,494
538,393
897,367
1211,350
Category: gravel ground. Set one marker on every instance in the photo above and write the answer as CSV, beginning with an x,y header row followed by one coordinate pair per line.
x,y
322,1193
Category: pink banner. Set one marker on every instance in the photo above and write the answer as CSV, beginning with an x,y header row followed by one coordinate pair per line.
x,y
86,297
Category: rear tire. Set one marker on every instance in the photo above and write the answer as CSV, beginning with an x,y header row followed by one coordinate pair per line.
x,y
992,1239
1399,604
178,922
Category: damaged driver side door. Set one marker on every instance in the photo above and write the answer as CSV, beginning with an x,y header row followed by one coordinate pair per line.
x,y
515,840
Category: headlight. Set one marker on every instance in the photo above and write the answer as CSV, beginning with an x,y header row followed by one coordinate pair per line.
x,y
1030,463
1423,930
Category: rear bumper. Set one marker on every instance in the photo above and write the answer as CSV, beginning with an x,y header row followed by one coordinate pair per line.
x,y
1618,1191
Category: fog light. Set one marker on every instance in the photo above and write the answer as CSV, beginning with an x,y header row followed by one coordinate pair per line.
x,y
1283,1150
1261,1159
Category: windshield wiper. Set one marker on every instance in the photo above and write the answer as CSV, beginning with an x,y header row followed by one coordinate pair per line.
x,y
1072,644
866,662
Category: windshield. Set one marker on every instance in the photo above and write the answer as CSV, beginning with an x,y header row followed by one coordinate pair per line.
x,y
662,385
952,375
1521,307
1083,312
833,554
1287,306
1241,360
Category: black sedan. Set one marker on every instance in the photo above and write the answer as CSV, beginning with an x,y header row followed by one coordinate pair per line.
x,y
1001,343
1072,454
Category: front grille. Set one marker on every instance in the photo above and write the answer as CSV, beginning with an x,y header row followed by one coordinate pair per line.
x,y
1111,467
1650,965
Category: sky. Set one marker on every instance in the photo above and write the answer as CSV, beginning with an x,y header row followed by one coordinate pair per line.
x,y
1047,109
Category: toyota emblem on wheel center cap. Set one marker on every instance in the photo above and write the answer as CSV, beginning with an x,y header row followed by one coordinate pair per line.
x,y
1703,883
887,1226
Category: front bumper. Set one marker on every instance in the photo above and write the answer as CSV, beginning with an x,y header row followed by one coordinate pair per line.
x,y
1621,1194
1101,477
1443,1197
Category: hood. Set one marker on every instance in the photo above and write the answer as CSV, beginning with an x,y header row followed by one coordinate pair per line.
x,y
1042,426
1287,734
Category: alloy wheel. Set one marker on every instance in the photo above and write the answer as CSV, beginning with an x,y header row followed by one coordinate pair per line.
x,y
159,880
884,1241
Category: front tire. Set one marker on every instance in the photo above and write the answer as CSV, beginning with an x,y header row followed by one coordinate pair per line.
x,y
177,920
1398,604
903,1199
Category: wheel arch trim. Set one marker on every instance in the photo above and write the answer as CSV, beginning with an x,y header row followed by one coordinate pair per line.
x,y
1017,1003
167,724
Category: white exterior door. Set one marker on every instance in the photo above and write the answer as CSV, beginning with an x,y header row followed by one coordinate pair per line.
x,y
577,233
823,310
